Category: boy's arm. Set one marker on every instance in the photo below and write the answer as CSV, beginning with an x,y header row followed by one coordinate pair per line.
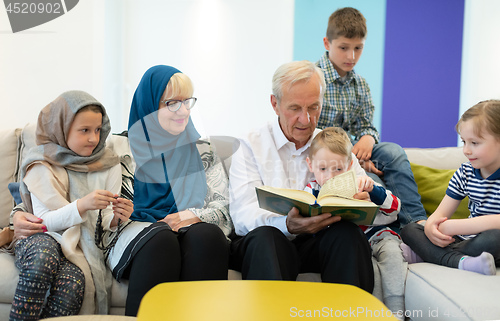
x,y
362,128
389,203
363,151
470,225
361,113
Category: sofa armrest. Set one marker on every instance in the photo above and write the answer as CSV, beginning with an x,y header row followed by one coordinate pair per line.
x,y
9,154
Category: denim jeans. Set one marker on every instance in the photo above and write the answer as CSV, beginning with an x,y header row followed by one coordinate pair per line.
x,y
391,159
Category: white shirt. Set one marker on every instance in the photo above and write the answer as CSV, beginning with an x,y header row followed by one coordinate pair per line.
x,y
266,157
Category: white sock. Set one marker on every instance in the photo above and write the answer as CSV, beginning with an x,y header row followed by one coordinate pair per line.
x,y
484,264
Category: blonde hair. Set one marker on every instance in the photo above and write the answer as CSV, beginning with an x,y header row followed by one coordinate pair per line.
x,y
290,73
346,22
179,85
333,138
485,115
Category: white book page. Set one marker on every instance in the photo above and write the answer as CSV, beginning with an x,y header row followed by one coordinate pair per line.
x,y
343,185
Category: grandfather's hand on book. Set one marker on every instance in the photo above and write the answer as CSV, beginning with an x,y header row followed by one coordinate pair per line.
x,y
298,224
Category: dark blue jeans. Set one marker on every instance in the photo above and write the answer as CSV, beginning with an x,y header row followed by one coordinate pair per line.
x,y
488,241
398,178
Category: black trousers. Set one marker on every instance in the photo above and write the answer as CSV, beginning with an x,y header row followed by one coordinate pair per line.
x,y
341,254
199,252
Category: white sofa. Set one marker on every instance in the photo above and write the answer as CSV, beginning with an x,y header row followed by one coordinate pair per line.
x,y
432,292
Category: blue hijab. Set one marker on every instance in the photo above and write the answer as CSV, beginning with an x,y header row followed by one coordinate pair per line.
x,y
169,175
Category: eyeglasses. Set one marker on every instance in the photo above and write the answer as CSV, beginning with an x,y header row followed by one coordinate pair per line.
x,y
174,105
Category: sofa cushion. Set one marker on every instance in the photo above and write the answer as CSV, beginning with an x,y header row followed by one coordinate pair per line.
x,y
432,184
28,141
8,278
9,140
119,293
435,292
14,191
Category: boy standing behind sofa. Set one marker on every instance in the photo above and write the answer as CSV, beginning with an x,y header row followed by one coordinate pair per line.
x,y
348,104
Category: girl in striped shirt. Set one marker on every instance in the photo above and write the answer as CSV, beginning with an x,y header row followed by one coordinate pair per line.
x,y
471,244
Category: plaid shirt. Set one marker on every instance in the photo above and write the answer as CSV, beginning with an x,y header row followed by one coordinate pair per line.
x,y
347,102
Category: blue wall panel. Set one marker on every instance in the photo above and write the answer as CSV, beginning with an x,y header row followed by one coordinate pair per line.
x,y
311,21
421,90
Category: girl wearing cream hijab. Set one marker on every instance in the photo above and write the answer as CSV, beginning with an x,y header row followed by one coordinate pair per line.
x,y
67,180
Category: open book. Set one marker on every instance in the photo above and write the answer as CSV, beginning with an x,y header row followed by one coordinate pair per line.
x,y
335,197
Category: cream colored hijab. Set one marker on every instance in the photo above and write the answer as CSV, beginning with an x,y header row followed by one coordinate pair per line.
x,y
65,182
54,122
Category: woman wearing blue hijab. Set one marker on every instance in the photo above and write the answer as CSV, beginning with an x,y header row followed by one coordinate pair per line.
x,y
179,188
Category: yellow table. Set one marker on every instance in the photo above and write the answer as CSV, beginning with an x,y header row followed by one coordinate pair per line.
x,y
259,300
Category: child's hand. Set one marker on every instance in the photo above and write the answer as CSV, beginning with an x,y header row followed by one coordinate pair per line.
x,y
369,167
122,208
365,184
97,200
431,229
363,151
364,196
363,148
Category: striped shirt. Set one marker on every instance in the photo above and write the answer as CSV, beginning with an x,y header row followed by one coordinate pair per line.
x,y
347,102
484,194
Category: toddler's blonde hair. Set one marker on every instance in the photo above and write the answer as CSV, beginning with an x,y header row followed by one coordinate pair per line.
x,y
333,138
